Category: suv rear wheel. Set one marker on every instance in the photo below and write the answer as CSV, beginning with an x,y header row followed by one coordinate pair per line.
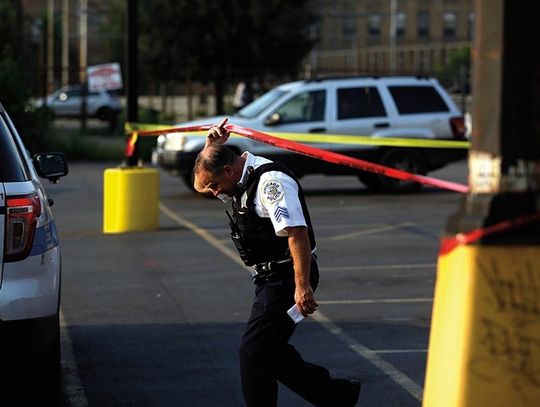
x,y
405,160
104,113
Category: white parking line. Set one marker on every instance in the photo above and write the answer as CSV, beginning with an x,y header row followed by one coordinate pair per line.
x,y
394,351
387,368
73,390
376,301
370,231
381,267
390,370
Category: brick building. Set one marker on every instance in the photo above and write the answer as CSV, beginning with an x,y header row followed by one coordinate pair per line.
x,y
355,36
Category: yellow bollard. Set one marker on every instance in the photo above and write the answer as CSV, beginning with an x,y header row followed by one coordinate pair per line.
x,y
485,335
130,199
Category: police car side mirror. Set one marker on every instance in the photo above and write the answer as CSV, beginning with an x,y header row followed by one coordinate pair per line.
x,y
50,165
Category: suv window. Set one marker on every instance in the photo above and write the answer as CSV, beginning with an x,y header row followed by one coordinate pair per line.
x,y
305,107
11,165
359,102
417,99
260,104
73,93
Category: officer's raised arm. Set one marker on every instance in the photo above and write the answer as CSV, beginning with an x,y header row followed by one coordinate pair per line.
x,y
217,134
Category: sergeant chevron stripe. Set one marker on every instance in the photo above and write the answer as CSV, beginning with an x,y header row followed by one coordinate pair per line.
x,y
281,212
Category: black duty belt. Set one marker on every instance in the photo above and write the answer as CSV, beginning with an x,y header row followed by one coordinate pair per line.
x,y
270,265
271,270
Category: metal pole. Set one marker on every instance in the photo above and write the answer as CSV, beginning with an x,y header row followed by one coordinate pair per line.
x,y
83,40
65,42
393,29
50,46
83,21
132,72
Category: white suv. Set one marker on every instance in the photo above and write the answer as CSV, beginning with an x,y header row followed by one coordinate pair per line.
x,y
29,263
406,107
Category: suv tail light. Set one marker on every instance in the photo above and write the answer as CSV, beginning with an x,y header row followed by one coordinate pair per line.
x,y
457,124
21,219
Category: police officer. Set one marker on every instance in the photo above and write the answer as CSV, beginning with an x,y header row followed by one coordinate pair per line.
x,y
271,228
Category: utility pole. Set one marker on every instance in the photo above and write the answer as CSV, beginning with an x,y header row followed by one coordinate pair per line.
x,y
65,42
50,46
485,333
83,46
83,39
132,72
393,29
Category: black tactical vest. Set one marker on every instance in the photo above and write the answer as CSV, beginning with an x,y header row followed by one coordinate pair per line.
x,y
253,236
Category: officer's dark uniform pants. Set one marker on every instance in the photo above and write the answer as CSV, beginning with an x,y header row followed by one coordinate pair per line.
x,y
266,357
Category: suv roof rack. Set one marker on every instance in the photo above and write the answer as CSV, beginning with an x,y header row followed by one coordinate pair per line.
x,y
338,77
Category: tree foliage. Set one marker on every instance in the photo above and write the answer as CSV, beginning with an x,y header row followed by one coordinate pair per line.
x,y
14,89
15,85
221,40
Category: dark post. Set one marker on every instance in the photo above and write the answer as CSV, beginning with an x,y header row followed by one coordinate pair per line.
x,y
132,72
84,106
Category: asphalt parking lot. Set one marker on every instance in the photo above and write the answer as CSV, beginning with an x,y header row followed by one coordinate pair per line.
x,y
154,318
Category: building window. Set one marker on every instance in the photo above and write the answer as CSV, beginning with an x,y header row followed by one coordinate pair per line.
x,y
349,27
423,24
449,25
374,24
315,29
470,27
401,21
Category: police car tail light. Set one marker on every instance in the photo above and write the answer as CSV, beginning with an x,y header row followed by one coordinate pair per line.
x,y
21,219
458,127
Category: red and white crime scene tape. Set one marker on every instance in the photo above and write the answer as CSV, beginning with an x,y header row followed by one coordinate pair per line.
x,y
447,243
450,243
307,150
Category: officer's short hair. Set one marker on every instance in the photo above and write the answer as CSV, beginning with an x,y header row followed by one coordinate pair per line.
x,y
212,159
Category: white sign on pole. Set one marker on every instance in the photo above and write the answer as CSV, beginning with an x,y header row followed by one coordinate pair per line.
x,y
104,77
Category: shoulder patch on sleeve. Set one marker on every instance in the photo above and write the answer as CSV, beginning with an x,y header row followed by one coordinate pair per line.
x,y
272,191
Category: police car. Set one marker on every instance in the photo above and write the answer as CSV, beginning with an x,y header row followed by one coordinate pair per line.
x,y
30,260
379,107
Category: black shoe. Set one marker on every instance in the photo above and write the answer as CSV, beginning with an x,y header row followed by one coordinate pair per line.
x,y
355,387
349,391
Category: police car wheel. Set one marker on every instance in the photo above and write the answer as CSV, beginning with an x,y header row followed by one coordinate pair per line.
x,y
405,160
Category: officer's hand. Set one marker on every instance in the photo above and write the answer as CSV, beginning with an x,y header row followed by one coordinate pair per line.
x,y
217,134
305,300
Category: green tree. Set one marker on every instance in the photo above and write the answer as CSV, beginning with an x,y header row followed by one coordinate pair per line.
x,y
455,74
223,40
15,85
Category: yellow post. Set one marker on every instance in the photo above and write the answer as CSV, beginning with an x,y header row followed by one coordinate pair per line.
x,y
130,199
485,336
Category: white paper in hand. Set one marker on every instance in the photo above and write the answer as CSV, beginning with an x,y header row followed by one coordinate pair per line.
x,y
295,315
